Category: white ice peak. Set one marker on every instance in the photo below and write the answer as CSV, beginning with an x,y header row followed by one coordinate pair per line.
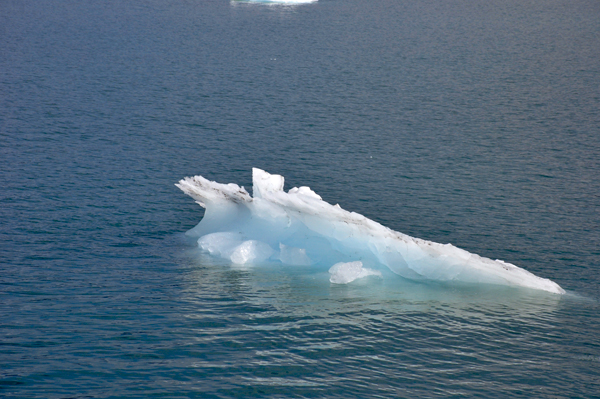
x,y
263,183
299,228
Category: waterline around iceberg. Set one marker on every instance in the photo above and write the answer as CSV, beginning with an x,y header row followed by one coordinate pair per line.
x,y
298,228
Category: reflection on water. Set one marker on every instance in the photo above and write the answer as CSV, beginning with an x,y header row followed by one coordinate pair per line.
x,y
289,285
268,322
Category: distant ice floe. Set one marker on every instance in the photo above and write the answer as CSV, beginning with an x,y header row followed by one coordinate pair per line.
x,y
276,1
299,229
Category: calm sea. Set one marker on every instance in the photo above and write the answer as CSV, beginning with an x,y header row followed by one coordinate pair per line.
x,y
473,122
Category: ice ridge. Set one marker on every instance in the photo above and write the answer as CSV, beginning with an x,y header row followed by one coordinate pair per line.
x,y
298,228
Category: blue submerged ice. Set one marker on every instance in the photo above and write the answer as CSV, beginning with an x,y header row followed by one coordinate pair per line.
x,y
298,228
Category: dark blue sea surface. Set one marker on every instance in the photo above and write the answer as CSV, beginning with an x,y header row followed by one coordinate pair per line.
x,y
464,121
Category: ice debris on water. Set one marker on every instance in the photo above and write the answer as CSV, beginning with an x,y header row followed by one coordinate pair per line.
x,y
344,273
299,229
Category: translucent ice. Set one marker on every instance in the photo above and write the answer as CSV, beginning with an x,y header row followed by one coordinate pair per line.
x,y
231,246
344,273
298,228
293,256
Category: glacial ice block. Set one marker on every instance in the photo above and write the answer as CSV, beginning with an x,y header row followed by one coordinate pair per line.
x,y
299,229
344,273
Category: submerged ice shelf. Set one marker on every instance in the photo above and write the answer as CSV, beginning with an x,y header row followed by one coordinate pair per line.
x,y
298,228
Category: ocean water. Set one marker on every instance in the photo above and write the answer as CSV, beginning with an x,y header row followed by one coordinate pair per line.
x,y
464,121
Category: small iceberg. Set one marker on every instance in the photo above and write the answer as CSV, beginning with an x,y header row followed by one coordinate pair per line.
x,y
291,2
299,229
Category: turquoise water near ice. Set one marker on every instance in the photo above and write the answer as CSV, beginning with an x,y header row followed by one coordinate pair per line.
x,y
470,122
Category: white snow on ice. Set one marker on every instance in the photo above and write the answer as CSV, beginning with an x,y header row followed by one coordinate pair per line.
x,y
299,229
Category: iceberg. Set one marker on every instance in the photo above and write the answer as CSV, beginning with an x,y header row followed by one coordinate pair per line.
x,y
299,229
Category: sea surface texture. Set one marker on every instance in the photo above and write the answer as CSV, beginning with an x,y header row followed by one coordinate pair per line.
x,y
475,123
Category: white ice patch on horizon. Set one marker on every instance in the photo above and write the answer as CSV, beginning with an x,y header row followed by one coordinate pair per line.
x,y
344,273
298,228
291,2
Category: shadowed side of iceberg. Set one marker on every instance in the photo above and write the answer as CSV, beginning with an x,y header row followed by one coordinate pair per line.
x,y
299,228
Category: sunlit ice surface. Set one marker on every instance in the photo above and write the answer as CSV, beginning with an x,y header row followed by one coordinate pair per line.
x,y
300,230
